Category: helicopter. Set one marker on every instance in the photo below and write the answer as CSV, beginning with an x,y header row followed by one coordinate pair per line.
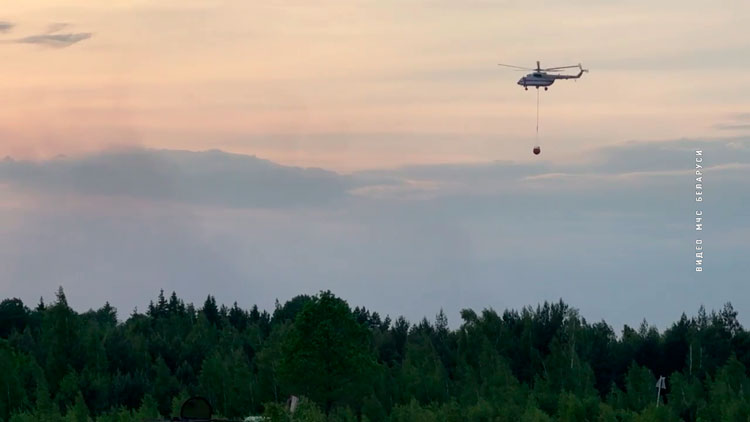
x,y
544,77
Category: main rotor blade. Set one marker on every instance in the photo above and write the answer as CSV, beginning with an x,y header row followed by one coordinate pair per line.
x,y
561,67
515,67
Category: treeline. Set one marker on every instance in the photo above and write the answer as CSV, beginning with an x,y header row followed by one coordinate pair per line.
x,y
542,364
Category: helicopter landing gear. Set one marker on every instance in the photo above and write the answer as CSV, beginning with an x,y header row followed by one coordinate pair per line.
x,y
545,88
526,87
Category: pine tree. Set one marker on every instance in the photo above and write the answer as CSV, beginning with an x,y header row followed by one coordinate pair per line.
x,y
79,411
210,310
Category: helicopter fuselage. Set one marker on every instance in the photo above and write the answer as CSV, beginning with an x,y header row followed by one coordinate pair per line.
x,y
540,78
537,79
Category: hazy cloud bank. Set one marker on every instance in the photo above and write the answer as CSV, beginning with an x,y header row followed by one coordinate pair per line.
x,y
613,236
208,178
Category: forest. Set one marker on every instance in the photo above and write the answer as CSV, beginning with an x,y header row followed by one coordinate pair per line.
x,y
543,363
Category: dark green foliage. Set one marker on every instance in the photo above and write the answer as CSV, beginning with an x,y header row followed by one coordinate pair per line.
x,y
537,364
79,412
327,354
12,383
288,312
13,316
211,311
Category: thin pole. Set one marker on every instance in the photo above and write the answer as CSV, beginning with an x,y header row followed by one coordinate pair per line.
x,y
658,394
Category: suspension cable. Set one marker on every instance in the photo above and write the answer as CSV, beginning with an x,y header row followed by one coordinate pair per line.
x,y
537,117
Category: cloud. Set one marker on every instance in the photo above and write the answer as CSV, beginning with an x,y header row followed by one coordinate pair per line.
x,y
608,235
203,178
629,158
51,37
56,40
738,122
220,179
733,126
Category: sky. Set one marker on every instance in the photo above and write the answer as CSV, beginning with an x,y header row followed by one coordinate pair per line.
x,y
258,150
